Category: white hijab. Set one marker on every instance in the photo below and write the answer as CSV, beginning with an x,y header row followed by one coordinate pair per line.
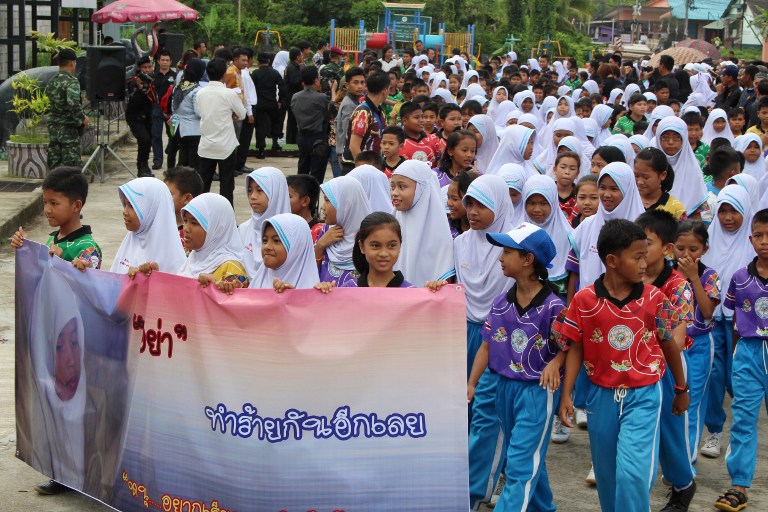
x,y
550,102
557,226
60,451
640,141
515,176
534,64
591,87
445,94
299,269
728,252
272,181
543,163
437,79
426,253
749,184
700,84
465,81
512,150
590,130
563,90
585,155
521,96
757,168
584,237
689,185
629,91
222,242
500,115
376,186
622,143
484,124
601,114
348,198
494,103
280,62
477,261
709,132
613,99
157,238
659,113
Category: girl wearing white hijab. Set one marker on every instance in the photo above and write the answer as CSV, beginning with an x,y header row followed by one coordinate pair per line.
x,y
564,90
585,155
749,184
299,270
376,186
543,163
345,207
576,94
494,105
757,168
467,77
475,90
728,252
584,262
516,147
419,61
515,176
57,351
511,116
621,142
591,87
640,142
151,221
700,84
533,64
555,224
689,185
445,94
221,254
615,97
487,142
281,62
267,184
710,132
590,130
659,113
439,81
547,103
629,90
500,115
520,97
601,114
530,119
426,252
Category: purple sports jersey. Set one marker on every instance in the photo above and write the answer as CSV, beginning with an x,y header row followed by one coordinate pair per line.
x,y
710,282
748,297
442,178
519,344
362,282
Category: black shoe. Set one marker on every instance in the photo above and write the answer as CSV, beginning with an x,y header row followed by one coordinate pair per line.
x,y
277,147
156,166
679,501
215,176
244,170
145,174
260,155
51,487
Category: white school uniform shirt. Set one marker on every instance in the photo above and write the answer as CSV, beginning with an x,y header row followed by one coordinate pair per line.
x,y
222,242
157,238
249,89
299,269
216,104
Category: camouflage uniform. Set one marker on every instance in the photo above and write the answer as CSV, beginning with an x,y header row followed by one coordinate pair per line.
x,y
331,71
64,121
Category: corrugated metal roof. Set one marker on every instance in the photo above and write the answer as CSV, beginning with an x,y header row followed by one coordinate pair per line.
x,y
701,10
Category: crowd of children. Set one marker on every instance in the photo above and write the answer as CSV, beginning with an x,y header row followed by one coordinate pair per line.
x,y
613,251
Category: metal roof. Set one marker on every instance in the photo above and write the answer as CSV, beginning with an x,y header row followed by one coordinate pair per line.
x,y
701,9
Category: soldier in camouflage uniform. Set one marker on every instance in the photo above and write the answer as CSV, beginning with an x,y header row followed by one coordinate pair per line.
x,y
332,72
66,116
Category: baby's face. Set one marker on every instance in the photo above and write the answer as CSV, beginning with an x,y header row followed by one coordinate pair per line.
x,y
67,363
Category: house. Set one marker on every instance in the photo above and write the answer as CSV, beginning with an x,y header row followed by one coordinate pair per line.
x,y
703,18
619,20
739,24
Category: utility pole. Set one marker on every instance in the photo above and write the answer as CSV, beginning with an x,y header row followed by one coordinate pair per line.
x,y
688,4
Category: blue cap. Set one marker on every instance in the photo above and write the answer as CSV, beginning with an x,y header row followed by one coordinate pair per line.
x,y
529,238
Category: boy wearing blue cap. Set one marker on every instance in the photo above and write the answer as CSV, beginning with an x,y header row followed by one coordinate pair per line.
x,y
517,346
622,331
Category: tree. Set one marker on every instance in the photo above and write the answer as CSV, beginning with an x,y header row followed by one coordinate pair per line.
x,y
516,10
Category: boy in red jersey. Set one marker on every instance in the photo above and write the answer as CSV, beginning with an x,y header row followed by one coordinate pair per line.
x,y
621,330
660,227
418,145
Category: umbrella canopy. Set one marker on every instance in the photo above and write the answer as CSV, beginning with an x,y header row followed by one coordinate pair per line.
x,y
704,47
681,55
143,11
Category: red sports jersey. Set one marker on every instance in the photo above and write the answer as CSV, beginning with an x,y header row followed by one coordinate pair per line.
x,y
621,338
421,149
678,291
439,146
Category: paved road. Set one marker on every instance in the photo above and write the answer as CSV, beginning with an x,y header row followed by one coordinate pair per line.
x,y
568,464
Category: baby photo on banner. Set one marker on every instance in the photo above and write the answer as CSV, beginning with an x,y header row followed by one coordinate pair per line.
x,y
157,394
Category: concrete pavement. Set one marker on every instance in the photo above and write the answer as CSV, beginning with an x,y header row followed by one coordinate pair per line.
x,y
567,464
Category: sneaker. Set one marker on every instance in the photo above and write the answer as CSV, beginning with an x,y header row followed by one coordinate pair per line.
x,y
591,480
560,433
711,446
51,487
581,418
679,501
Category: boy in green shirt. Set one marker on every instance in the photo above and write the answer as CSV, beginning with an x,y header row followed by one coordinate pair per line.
x,y
64,192
636,114
695,130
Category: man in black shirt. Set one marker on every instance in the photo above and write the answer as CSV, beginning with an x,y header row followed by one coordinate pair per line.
x,y
728,90
163,80
138,113
664,73
310,107
270,90
293,84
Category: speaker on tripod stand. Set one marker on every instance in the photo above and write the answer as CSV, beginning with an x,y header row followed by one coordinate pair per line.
x,y
105,83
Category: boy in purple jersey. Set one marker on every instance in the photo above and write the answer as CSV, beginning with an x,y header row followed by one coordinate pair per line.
x,y
748,298
517,347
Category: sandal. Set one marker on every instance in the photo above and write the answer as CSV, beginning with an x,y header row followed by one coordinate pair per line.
x,y
731,501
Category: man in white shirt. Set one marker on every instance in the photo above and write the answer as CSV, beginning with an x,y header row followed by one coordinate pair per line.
x,y
217,107
246,131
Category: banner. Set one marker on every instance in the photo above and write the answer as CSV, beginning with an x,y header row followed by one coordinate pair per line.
x,y
158,394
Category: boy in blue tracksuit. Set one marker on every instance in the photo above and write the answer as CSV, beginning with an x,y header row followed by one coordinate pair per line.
x,y
748,297
621,330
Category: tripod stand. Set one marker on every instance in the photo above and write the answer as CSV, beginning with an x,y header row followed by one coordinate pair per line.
x,y
102,150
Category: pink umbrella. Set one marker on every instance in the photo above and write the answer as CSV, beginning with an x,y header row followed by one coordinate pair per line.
x,y
144,11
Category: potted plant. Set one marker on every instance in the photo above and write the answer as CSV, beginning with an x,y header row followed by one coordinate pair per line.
x,y
28,147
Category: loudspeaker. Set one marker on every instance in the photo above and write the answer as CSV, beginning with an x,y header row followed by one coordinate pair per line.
x,y
105,73
174,43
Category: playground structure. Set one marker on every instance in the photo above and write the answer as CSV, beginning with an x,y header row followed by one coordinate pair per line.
x,y
402,23
266,38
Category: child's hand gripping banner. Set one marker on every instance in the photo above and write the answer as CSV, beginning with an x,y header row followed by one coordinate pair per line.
x,y
157,394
